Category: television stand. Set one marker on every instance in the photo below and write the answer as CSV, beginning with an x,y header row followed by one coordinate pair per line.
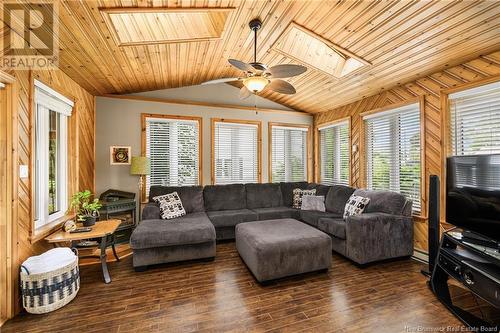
x,y
473,261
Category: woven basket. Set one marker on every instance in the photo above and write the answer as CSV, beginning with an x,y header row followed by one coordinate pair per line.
x,y
49,291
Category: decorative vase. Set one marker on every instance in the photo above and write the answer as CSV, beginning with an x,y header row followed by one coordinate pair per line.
x,y
89,221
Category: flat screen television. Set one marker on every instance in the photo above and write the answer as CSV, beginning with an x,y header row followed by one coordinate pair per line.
x,y
473,193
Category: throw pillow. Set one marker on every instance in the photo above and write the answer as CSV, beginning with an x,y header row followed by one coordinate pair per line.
x,y
170,206
298,194
313,202
355,205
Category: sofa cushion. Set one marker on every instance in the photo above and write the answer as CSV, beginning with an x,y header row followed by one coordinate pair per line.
x,y
332,226
224,197
384,201
287,191
311,217
263,195
320,188
277,213
230,218
191,196
337,198
193,228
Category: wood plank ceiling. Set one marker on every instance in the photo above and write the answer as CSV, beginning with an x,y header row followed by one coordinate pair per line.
x,y
403,40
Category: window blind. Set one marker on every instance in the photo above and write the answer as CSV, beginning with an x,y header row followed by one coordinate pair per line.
x,y
235,153
289,154
393,152
172,146
475,120
334,154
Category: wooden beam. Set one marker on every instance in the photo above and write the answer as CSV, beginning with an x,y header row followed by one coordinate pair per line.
x,y
210,105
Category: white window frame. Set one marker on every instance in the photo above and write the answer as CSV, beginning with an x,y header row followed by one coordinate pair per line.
x,y
258,149
395,182
336,179
147,118
288,170
46,100
468,99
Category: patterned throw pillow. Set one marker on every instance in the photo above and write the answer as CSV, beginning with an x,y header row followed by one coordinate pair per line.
x,y
355,205
170,206
298,194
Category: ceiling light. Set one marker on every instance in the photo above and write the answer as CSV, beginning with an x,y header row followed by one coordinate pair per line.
x,y
256,83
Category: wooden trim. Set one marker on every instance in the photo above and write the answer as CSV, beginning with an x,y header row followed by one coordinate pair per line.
x,y
206,104
423,149
8,200
42,232
235,121
6,78
177,117
390,107
470,85
309,149
318,143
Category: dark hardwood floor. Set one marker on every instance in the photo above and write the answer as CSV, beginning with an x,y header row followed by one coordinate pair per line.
x,y
222,296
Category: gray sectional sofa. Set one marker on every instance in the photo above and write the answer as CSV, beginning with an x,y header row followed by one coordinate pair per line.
x,y
383,231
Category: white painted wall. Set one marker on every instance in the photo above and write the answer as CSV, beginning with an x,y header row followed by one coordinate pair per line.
x,y
118,122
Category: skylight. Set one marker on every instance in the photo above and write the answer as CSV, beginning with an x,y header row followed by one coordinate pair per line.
x,y
312,50
137,26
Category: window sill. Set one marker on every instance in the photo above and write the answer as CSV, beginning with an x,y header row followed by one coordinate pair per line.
x,y
49,228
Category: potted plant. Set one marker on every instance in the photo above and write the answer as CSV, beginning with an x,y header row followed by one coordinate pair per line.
x,y
86,209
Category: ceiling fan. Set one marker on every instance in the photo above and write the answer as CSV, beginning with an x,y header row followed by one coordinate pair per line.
x,y
259,76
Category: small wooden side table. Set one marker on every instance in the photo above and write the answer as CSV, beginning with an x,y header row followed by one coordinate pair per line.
x,y
103,231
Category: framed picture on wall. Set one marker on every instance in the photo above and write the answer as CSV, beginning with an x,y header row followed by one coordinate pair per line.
x,y
119,155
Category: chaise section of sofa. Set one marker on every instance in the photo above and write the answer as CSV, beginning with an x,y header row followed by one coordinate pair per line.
x,y
156,241
383,231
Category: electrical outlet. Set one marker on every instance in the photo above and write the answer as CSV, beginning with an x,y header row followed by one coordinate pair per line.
x,y
23,171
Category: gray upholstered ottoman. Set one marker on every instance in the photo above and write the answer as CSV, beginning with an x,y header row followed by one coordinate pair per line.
x,y
277,248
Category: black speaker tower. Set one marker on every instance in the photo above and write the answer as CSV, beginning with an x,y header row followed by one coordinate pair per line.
x,y
433,222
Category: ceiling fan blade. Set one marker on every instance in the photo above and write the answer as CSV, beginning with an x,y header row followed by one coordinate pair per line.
x,y
241,65
223,80
281,87
244,93
286,70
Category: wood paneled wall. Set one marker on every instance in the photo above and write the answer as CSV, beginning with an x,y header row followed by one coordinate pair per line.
x,y
430,88
80,152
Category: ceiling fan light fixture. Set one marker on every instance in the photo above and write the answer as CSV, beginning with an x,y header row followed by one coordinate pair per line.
x,y
255,83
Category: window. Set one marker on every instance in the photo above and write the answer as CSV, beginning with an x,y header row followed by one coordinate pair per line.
x,y
289,146
475,120
51,135
393,152
172,145
334,153
236,151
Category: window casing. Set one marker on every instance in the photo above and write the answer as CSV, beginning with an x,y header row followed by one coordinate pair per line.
x,y
51,149
288,153
172,145
334,153
475,120
236,152
393,152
